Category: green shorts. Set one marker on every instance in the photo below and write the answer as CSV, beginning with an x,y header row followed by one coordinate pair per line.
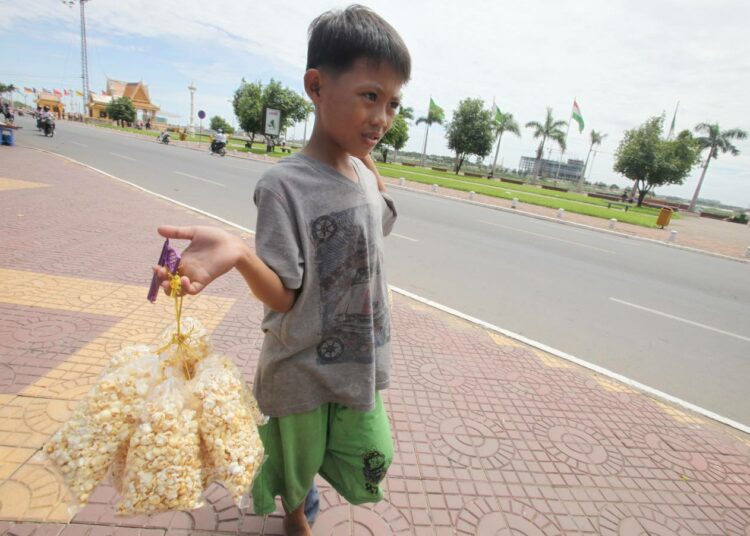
x,y
351,449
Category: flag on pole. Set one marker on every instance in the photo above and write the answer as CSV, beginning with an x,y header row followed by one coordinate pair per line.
x,y
28,90
78,93
45,90
674,118
577,116
66,91
57,92
498,114
435,110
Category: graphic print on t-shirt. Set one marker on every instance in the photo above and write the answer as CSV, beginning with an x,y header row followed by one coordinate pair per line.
x,y
354,314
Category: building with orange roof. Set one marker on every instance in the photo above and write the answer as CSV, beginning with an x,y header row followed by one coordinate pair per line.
x,y
135,91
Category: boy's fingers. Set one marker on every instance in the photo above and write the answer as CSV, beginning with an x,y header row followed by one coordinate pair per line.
x,y
179,233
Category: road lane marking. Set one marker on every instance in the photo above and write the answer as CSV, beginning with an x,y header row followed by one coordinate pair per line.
x,y
404,237
123,156
547,236
685,320
79,144
619,240
200,179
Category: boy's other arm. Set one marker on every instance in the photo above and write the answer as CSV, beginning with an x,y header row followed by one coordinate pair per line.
x,y
370,164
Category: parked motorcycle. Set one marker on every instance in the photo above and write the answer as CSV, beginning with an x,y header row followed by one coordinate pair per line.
x,y
163,138
218,147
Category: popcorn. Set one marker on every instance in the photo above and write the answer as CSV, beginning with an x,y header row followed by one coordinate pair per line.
x,y
85,446
164,422
163,462
228,425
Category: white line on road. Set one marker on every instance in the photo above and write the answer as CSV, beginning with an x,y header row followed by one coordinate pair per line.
x,y
619,239
546,236
200,179
692,323
123,156
79,144
404,237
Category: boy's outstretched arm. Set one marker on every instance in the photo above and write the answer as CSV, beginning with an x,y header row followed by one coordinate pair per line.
x,y
212,252
370,164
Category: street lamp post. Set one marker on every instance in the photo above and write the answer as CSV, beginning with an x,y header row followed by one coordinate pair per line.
x,y
191,126
84,55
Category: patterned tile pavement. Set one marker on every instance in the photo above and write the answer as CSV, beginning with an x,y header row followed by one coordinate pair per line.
x,y
491,436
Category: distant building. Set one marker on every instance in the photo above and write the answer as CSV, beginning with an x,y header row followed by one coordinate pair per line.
x,y
570,170
135,91
52,101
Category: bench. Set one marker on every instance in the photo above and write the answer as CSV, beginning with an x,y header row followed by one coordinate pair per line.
x,y
620,205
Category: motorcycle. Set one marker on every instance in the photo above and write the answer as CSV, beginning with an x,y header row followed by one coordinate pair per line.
x,y
218,147
48,124
163,138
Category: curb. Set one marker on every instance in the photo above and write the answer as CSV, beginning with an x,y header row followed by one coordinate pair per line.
x,y
515,336
570,223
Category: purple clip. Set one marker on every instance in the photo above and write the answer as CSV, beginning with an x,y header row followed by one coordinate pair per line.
x,y
169,259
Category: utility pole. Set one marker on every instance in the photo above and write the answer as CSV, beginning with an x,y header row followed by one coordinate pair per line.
x,y
84,55
192,88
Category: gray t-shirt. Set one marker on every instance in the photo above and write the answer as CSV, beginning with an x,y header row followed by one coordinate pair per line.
x,y
322,233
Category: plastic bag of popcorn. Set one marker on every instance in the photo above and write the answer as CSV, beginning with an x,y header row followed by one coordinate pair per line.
x,y
185,344
163,466
83,449
228,425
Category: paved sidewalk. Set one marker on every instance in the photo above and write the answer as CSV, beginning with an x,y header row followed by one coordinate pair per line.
x,y
491,436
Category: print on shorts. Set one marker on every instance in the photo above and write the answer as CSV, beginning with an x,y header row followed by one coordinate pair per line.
x,y
354,315
374,469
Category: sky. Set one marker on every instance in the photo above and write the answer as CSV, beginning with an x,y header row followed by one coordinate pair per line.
x,y
622,60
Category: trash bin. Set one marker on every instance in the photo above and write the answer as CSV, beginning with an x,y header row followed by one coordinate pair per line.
x,y
664,217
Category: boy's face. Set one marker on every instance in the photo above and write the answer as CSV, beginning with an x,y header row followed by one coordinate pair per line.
x,y
355,108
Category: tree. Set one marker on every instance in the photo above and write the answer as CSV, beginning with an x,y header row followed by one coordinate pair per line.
x,y
251,99
434,115
715,141
121,110
549,129
218,122
395,138
7,88
596,139
470,131
500,124
650,161
406,112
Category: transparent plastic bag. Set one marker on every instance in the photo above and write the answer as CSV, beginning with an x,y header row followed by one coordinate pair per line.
x,y
163,467
194,344
228,424
83,449
127,355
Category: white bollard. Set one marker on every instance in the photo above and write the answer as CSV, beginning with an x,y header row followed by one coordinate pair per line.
x,y
434,187
560,212
672,236
514,202
612,223
471,195
402,181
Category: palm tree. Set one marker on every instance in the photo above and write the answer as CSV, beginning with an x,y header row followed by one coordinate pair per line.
x,y
716,140
406,112
503,123
549,129
435,115
596,139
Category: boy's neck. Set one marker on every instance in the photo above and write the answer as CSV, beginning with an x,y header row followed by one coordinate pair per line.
x,y
324,150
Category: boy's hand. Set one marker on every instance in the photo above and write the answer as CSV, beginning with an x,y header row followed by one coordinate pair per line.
x,y
211,253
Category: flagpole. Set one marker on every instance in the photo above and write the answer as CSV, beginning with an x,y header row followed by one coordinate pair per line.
x,y
562,151
426,132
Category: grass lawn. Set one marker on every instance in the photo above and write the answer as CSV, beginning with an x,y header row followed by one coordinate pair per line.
x,y
571,202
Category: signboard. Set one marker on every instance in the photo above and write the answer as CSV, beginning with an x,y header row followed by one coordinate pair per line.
x,y
272,123
201,114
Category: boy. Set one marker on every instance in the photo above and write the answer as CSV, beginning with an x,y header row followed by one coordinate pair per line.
x,y
322,216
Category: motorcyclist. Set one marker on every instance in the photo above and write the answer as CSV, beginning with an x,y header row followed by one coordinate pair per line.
x,y
163,137
48,120
219,141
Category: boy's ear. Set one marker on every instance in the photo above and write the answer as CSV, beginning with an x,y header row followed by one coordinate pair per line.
x,y
312,81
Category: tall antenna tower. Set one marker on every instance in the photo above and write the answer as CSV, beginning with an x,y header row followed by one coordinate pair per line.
x,y
84,57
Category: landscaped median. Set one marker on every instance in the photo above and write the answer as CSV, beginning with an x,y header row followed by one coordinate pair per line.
x,y
534,195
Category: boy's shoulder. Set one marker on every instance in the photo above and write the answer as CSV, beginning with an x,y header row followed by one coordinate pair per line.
x,y
283,174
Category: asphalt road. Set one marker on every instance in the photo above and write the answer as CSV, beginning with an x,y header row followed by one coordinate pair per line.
x,y
674,320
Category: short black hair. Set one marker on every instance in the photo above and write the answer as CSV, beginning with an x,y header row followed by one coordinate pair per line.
x,y
336,39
